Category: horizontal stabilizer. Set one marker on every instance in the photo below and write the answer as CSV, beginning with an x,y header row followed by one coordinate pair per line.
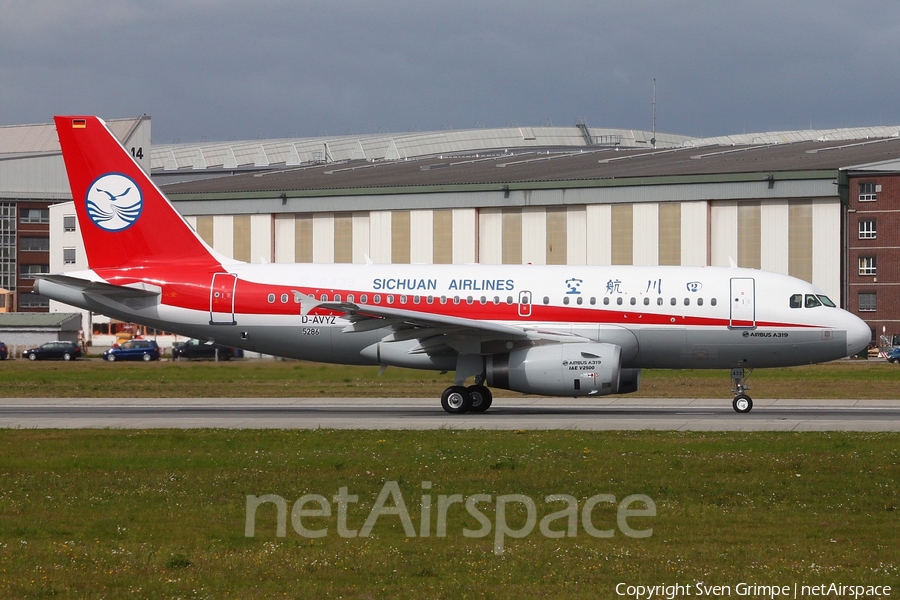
x,y
100,288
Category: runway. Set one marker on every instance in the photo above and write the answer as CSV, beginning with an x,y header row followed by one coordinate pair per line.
x,y
426,413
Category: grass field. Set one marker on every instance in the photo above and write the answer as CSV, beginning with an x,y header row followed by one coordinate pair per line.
x,y
163,514
290,379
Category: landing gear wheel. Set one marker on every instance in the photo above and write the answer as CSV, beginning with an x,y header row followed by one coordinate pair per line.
x,y
742,403
481,397
456,400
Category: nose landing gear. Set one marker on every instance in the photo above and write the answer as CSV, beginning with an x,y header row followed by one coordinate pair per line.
x,y
742,403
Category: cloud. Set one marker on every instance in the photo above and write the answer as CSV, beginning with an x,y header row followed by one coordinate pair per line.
x,y
225,70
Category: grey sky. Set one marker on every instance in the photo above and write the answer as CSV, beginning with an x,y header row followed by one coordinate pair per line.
x,y
221,70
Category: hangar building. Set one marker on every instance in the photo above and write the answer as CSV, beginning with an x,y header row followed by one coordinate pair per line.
x,y
784,201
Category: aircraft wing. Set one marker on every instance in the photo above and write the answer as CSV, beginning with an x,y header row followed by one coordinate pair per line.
x,y
433,330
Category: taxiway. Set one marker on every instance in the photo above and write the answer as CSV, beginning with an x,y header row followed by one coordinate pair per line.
x,y
425,413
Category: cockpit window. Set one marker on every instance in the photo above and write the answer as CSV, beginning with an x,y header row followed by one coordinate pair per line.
x,y
812,301
827,301
797,301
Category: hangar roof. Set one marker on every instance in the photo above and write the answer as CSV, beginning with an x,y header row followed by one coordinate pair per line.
x,y
41,137
566,166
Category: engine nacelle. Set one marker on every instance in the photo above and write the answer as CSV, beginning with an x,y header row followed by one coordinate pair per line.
x,y
562,370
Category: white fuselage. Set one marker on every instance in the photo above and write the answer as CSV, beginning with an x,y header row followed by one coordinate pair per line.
x,y
661,317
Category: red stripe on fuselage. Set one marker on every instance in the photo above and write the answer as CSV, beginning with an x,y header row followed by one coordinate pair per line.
x,y
193,292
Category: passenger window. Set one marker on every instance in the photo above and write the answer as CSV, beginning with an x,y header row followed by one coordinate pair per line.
x,y
797,301
469,299
323,298
429,300
579,300
443,299
416,299
699,301
376,298
509,300
363,298
619,301
606,300
271,298
565,300
633,301
687,301
659,301
712,301
350,297
546,299
812,301
390,298
284,298
672,301
337,297
593,301
403,299
646,301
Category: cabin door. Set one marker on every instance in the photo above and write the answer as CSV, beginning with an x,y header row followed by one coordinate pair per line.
x,y
743,303
221,299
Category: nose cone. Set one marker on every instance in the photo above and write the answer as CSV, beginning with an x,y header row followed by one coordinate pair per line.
x,y
858,335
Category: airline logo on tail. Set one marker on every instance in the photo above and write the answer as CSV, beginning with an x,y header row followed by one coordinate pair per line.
x,y
114,202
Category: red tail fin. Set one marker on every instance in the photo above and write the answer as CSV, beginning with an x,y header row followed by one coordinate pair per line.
x,y
125,220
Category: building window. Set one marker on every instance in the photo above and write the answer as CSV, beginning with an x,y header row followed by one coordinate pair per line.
x,y
867,229
69,223
28,271
68,256
867,301
33,301
867,192
867,265
34,244
35,215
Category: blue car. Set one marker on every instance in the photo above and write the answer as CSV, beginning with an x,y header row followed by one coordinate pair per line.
x,y
4,352
894,355
133,350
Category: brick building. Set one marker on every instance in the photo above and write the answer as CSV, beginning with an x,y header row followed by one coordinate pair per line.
x,y
873,250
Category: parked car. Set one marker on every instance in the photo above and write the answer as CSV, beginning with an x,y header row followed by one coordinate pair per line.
x,y
54,350
133,350
4,351
199,349
894,355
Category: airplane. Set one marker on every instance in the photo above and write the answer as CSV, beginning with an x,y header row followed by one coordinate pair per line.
x,y
536,329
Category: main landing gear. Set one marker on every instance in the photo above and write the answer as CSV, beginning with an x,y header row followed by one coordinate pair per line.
x,y
458,399
742,403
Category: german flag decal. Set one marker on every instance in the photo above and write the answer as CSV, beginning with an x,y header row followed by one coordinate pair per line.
x,y
79,123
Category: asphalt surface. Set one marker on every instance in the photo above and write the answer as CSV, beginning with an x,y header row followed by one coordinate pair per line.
x,y
426,413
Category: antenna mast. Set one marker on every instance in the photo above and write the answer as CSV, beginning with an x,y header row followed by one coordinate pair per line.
x,y
653,139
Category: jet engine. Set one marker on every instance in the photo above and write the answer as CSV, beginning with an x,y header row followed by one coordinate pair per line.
x,y
562,370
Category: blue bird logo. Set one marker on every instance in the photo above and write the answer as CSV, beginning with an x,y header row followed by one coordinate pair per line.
x,y
114,210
